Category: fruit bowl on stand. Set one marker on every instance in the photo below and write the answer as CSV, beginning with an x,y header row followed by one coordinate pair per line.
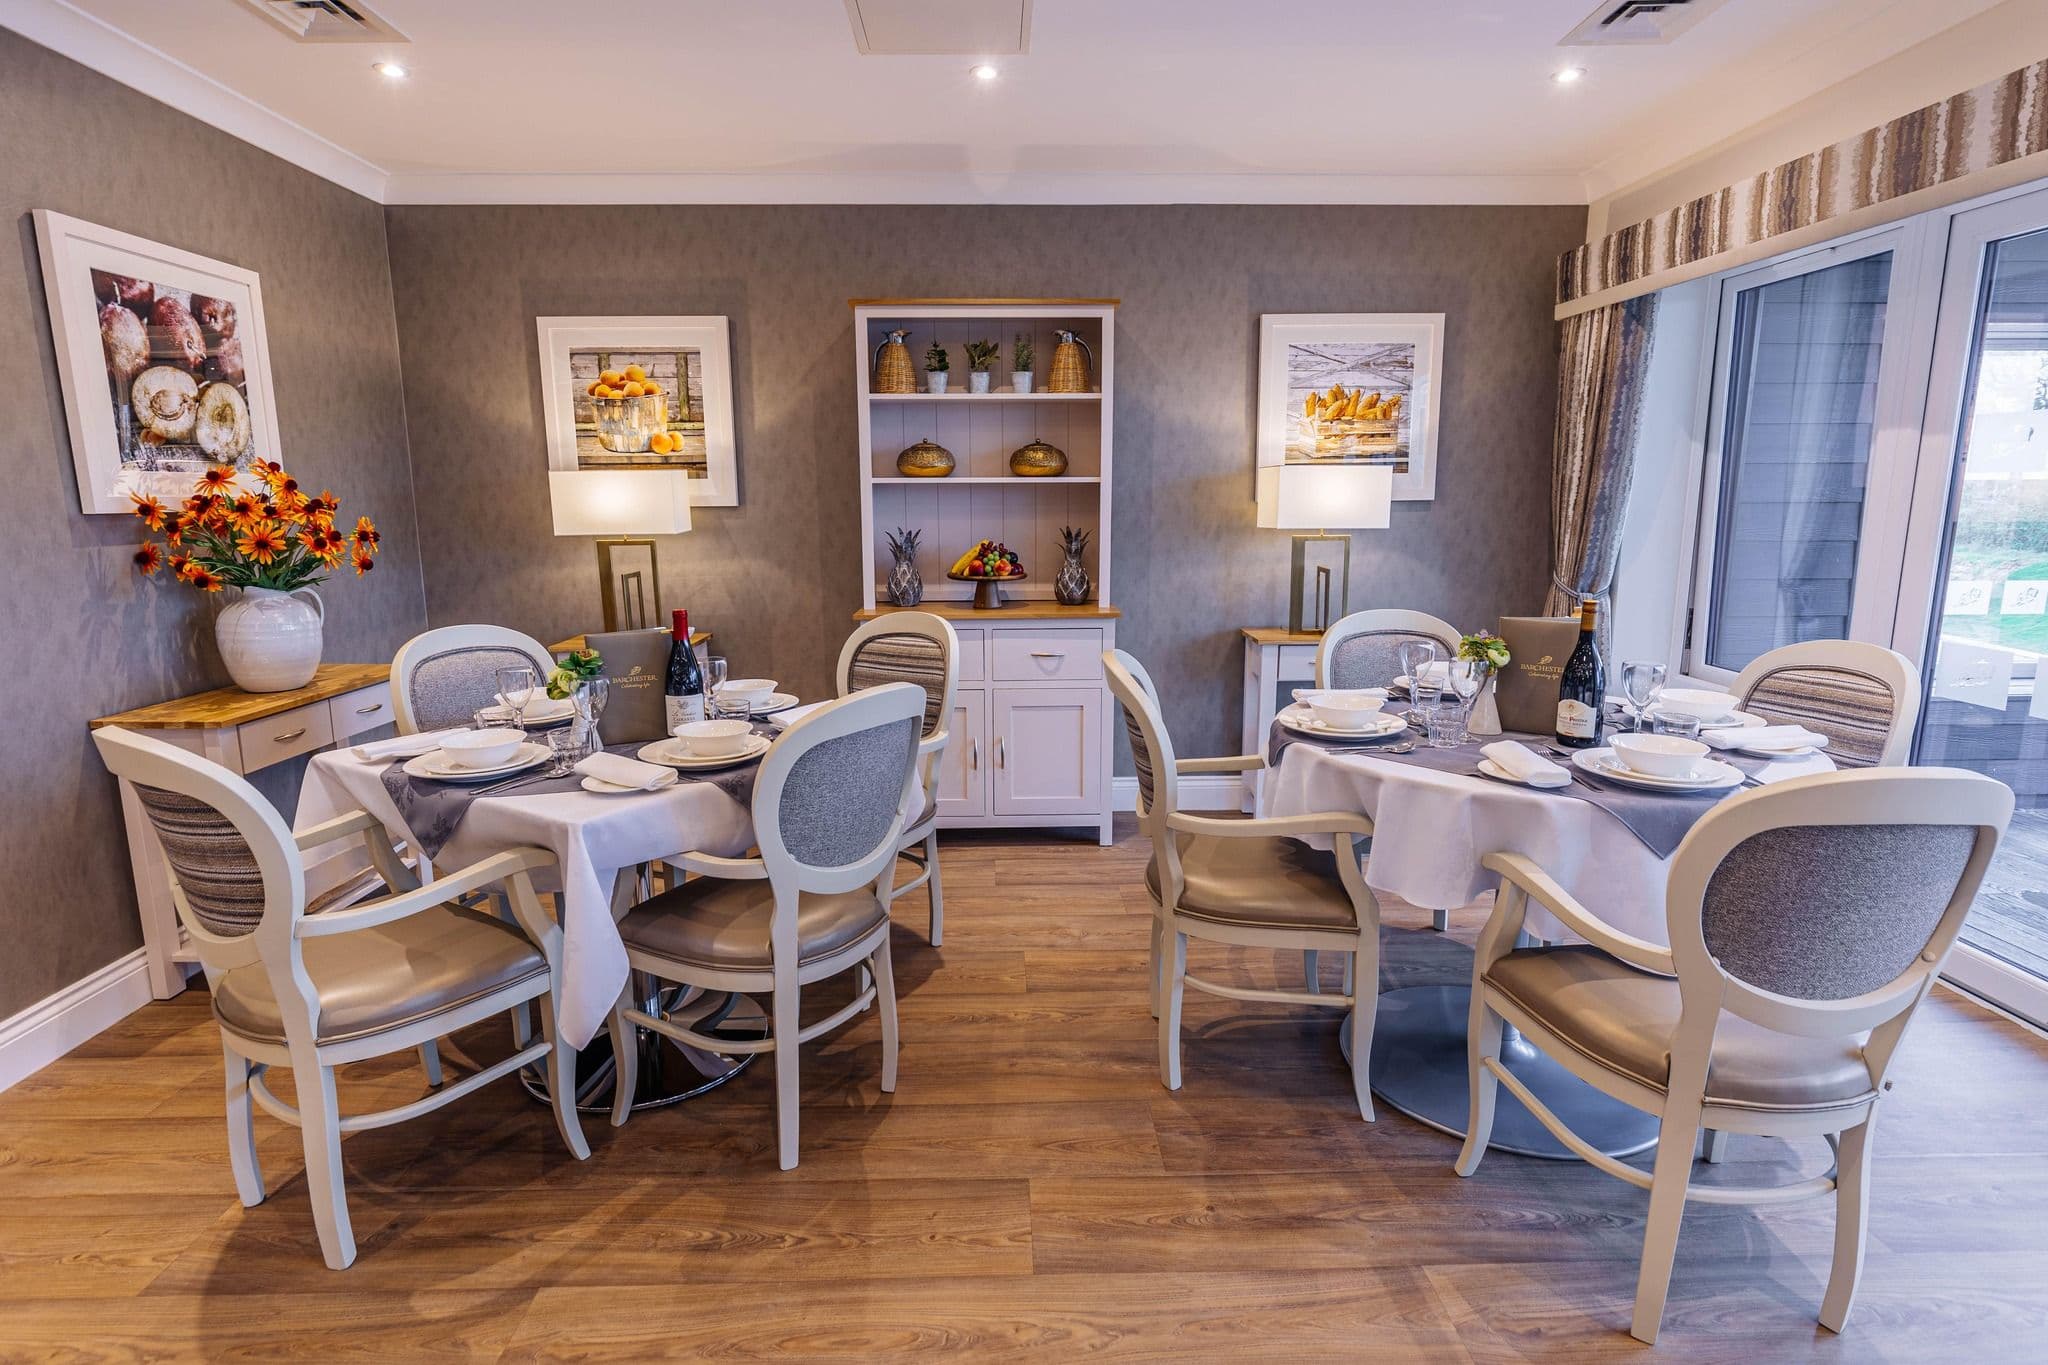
x,y
988,591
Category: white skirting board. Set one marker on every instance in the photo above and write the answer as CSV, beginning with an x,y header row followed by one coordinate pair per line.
x,y
51,1027
1201,791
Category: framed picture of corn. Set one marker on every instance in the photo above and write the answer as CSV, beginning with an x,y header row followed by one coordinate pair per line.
x,y
1353,388
642,393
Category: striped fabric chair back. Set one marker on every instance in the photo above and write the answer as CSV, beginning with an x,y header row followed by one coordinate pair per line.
x,y
1854,710
916,659
213,864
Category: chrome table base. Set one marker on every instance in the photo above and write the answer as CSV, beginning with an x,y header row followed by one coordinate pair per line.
x,y
670,1072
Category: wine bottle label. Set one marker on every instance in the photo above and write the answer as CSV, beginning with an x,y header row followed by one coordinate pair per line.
x,y
684,710
1576,719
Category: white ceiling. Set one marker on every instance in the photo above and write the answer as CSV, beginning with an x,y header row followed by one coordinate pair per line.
x,y
1116,100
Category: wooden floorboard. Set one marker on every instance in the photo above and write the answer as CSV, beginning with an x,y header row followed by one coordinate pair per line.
x,y
1030,1191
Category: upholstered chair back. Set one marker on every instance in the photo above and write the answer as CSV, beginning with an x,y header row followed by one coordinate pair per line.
x,y
444,677
1863,697
209,858
1151,745
828,798
1364,648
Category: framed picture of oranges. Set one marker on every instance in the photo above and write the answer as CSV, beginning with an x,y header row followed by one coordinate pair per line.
x,y
642,393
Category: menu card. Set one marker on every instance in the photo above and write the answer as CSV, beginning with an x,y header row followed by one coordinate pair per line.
x,y
1526,692
636,661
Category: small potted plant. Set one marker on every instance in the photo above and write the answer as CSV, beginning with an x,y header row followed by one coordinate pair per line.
x,y
935,367
1490,652
1022,356
980,356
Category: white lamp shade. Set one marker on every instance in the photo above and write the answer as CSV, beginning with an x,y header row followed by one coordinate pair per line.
x,y
620,502
1315,497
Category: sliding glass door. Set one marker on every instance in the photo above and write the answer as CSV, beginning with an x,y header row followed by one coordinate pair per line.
x,y
1974,595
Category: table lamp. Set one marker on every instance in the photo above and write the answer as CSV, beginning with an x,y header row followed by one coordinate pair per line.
x,y
624,508
1296,497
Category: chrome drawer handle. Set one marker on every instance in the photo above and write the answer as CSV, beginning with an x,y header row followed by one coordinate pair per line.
x,y
999,753
372,709
974,756
1048,654
288,736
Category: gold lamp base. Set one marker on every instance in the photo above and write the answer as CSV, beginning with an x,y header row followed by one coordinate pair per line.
x,y
1309,607
630,583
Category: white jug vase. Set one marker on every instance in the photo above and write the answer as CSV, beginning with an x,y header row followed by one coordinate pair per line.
x,y
270,640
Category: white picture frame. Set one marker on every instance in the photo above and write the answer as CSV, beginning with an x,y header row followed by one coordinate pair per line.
x,y
109,448
1383,352
566,349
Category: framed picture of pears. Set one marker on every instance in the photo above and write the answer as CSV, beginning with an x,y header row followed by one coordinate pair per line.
x,y
1353,388
642,393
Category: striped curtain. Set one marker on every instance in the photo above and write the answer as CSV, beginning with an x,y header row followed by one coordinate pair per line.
x,y
1603,362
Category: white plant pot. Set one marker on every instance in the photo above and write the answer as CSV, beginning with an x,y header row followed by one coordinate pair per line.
x,y
977,382
935,380
1485,717
1020,381
270,640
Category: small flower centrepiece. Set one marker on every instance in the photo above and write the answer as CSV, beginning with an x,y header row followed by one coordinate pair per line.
x,y
1490,652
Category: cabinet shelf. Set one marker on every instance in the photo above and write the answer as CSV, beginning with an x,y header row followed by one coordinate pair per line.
x,y
997,478
999,396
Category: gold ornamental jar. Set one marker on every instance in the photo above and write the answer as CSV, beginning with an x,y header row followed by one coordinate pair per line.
x,y
1038,460
925,460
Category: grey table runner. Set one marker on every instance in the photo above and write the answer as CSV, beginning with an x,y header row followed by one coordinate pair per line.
x,y
1660,820
432,810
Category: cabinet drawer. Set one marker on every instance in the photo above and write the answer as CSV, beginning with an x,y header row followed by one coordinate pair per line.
x,y
973,654
357,712
1053,655
285,735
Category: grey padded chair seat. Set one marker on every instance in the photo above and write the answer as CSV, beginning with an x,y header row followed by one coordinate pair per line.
x,y
1259,883
372,980
1624,1019
721,924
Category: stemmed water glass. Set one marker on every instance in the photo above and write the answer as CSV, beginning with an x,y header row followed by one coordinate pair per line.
x,y
517,687
1641,681
716,706
1462,680
1418,659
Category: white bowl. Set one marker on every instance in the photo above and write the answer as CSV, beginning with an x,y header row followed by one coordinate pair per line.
x,y
752,691
1347,710
1698,702
1659,755
714,738
482,748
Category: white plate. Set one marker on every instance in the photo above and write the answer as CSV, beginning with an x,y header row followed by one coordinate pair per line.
x,y
672,753
1733,720
436,769
1710,775
535,720
1493,770
604,788
770,704
1384,724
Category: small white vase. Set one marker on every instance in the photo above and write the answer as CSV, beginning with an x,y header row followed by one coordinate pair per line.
x,y
977,381
935,380
1020,381
270,640
1485,718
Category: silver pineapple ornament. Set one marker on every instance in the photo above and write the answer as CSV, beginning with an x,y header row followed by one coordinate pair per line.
x,y
906,588
1071,586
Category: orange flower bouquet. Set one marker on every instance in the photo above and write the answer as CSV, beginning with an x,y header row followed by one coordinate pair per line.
x,y
277,537
272,540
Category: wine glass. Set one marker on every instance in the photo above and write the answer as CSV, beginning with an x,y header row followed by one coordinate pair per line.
x,y
1418,658
519,688
1641,681
596,692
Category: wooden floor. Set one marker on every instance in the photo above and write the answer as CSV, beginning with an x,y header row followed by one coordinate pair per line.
x,y
1030,1190
2010,918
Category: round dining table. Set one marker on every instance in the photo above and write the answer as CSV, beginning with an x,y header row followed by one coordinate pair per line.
x,y
1431,829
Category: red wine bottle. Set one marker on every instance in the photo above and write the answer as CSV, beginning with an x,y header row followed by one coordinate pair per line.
x,y
1581,687
684,688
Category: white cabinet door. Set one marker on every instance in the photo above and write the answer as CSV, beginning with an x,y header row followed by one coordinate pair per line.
x,y
1048,750
964,762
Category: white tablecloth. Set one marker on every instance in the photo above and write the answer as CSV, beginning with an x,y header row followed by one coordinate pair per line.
x,y
1430,829
591,836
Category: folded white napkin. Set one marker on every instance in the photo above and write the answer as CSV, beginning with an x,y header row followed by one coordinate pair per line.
x,y
1524,764
782,720
405,746
621,771
1763,737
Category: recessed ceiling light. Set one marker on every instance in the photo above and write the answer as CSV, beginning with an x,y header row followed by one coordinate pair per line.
x,y
389,70
984,72
1570,75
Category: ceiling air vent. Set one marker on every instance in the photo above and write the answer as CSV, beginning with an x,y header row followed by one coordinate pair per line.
x,y
1627,23
327,21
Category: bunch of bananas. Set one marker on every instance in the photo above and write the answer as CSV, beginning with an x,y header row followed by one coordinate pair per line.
x,y
988,559
1342,404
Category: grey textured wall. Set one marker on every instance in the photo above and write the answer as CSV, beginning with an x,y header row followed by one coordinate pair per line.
x,y
85,635
777,577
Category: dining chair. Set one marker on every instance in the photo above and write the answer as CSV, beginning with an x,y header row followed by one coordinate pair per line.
x,y
1364,648
827,807
1807,921
920,648
1863,697
315,992
1244,881
444,676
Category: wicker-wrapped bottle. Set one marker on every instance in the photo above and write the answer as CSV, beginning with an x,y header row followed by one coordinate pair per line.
x,y
1070,587
906,586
